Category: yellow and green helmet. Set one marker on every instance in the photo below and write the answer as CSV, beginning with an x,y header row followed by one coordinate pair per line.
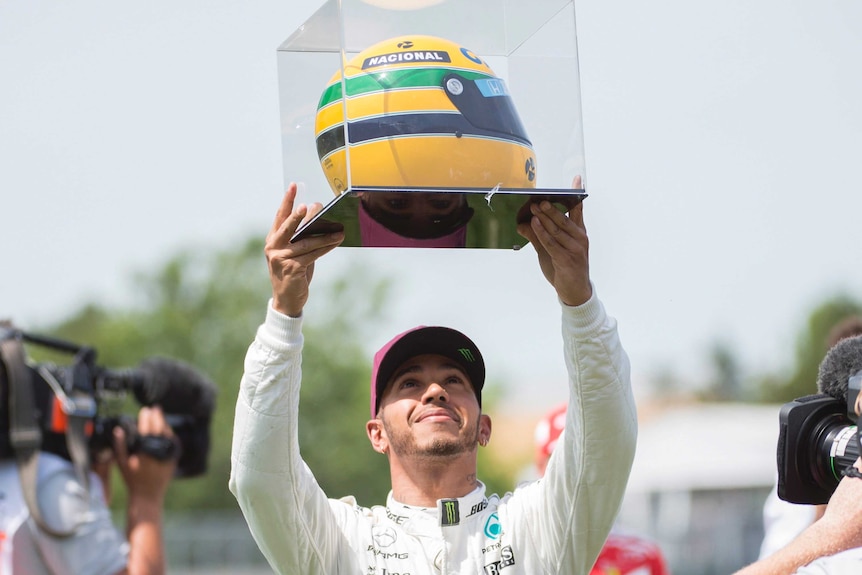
x,y
422,112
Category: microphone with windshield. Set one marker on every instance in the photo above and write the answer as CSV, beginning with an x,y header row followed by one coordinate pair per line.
x,y
818,434
188,399
840,373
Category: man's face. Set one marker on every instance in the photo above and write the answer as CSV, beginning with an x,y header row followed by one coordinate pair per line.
x,y
429,409
418,214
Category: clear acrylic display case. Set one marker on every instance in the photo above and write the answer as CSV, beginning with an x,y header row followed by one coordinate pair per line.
x,y
530,48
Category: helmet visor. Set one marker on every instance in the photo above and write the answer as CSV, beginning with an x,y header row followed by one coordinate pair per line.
x,y
486,104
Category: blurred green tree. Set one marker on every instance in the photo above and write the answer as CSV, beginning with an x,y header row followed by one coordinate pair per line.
x,y
811,347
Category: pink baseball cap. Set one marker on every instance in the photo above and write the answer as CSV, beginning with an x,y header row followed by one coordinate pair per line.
x,y
422,340
375,234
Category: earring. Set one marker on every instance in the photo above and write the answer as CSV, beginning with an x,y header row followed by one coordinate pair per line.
x,y
483,442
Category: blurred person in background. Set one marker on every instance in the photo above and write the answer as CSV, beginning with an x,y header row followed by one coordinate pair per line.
x,y
623,553
77,536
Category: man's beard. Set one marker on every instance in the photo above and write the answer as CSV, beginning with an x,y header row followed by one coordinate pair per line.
x,y
404,444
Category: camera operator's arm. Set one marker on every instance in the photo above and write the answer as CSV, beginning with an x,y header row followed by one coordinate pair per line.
x,y
839,529
146,480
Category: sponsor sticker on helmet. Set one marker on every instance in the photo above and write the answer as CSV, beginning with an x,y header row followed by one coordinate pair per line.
x,y
410,57
491,87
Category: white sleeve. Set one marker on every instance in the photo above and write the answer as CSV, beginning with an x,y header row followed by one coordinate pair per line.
x,y
571,510
287,512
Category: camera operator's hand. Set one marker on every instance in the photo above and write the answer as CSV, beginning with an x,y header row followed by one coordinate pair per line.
x,y
145,476
146,480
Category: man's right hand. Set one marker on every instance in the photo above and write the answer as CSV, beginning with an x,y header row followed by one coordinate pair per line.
x,y
291,265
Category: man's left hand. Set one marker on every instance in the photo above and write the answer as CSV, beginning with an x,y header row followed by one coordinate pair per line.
x,y
561,242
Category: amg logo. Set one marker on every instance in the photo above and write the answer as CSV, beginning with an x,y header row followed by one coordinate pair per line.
x,y
413,56
507,559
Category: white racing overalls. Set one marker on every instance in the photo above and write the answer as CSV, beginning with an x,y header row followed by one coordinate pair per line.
x,y
556,525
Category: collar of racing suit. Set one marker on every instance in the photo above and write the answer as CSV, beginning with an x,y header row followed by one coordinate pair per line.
x,y
448,512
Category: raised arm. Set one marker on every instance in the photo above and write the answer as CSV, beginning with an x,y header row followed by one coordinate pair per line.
x,y
575,504
286,511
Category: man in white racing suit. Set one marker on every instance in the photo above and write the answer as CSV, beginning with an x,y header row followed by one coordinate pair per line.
x,y
426,417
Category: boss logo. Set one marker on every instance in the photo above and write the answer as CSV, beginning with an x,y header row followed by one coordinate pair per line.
x,y
507,559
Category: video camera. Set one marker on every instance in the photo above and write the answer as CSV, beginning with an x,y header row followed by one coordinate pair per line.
x,y
83,390
819,434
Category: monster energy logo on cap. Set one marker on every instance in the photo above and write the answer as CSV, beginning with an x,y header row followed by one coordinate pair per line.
x,y
451,515
467,354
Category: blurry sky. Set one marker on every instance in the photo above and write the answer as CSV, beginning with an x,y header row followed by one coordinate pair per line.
x,y
723,146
